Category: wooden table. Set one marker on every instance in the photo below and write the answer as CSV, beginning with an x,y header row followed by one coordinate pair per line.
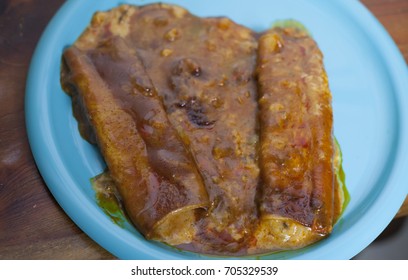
x,y
32,224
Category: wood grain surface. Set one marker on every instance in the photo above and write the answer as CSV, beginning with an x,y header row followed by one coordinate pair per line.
x,y
32,224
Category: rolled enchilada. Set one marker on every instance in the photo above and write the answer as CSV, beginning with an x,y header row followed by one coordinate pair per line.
x,y
300,190
155,174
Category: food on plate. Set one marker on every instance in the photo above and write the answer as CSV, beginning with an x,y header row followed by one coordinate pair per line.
x,y
299,190
217,139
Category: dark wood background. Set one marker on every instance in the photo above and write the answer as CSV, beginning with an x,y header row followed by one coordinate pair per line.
x,y
32,224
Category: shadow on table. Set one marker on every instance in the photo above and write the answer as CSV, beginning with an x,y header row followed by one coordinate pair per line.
x,y
392,244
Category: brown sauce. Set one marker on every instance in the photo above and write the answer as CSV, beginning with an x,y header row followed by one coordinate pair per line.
x,y
218,139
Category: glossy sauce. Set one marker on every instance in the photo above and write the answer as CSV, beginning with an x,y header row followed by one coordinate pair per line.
x,y
215,134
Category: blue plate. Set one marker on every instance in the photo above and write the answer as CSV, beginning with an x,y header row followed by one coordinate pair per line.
x,y
367,75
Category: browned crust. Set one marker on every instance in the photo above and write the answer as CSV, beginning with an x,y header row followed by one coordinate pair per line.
x,y
296,154
200,76
127,143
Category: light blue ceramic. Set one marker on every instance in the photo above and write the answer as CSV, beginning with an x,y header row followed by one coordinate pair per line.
x,y
368,78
